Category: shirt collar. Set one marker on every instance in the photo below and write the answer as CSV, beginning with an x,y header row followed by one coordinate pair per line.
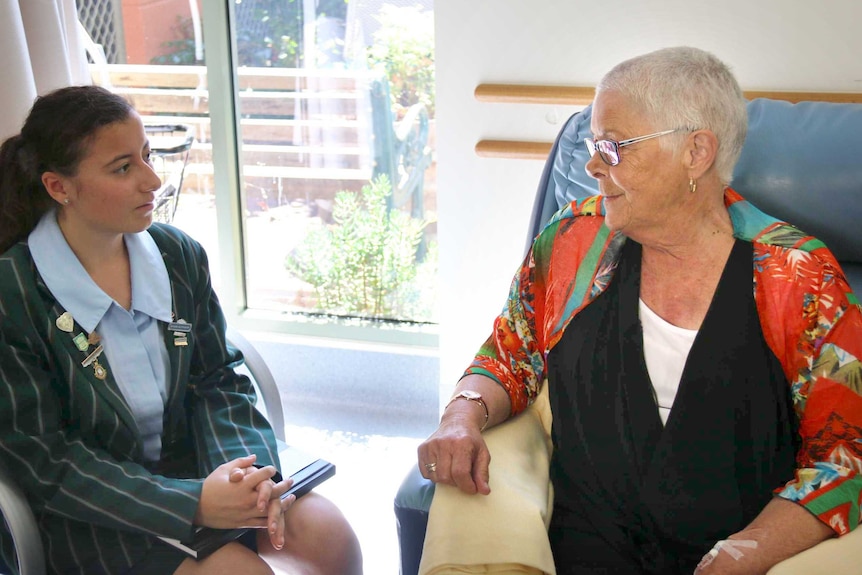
x,y
76,291
151,287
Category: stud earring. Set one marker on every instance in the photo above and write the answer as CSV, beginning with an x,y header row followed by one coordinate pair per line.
x,y
692,185
66,201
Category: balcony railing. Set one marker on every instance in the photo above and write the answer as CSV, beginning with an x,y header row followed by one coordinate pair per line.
x,y
309,125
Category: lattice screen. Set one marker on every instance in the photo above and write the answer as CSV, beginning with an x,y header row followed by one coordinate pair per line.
x,y
103,20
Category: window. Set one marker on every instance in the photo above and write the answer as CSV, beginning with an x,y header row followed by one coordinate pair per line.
x,y
312,189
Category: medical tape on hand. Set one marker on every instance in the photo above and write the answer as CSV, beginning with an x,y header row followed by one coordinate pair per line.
x,y
733,547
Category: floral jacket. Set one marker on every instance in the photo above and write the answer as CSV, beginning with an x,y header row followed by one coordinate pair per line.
x,y
810,319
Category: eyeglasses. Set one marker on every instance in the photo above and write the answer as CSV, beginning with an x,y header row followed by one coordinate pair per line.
x,y
609,150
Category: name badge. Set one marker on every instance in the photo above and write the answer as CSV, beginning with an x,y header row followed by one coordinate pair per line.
x,y
181,326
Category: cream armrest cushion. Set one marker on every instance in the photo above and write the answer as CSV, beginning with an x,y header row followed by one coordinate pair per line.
x,y
505,531
839,556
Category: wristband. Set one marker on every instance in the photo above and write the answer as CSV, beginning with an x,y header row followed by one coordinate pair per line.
x,y
470,395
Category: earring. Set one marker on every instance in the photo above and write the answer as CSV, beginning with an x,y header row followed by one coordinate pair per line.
x,y
66,201
692,185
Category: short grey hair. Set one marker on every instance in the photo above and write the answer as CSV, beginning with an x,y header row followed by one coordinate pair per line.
x,y
686,88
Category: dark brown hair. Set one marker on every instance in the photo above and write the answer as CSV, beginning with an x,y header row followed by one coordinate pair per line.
x,y
55,137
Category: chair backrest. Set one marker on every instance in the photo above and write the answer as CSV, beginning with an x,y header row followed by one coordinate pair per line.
x,y
21,527
800,164
263,381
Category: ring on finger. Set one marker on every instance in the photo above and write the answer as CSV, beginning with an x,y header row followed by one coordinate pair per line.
x,y
431,467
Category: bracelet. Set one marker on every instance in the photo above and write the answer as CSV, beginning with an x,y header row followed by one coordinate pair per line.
x,y
470,395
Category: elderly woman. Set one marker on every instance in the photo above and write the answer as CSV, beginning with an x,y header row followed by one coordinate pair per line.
x,y
700,356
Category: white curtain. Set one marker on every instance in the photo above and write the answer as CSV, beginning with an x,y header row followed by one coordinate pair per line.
x,y
40,50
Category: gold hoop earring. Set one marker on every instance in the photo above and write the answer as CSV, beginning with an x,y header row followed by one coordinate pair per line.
x,y
692,185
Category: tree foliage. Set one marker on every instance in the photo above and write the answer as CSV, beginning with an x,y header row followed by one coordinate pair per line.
x,y
404,47
365,262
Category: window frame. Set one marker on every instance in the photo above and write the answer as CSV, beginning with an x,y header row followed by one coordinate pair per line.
x,y
218,20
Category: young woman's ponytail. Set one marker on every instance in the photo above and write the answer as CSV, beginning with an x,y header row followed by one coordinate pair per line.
x,y
55,137
23,199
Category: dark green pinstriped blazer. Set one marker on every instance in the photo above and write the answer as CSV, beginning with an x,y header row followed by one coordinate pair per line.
x,y
71,440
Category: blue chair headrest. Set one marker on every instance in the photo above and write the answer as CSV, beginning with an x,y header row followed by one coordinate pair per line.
x,y
801,163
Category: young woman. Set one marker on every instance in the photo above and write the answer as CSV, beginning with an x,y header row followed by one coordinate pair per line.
x,y
120,413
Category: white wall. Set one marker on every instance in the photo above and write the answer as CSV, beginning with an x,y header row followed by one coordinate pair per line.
x,y
484,204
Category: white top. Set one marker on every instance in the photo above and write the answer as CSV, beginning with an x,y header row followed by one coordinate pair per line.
x,y
666,348
133,343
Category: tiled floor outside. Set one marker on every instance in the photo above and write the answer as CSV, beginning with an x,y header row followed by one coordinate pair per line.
x,y
366,411
365,408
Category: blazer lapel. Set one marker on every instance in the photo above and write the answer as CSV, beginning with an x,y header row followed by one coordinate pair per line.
x,y
106,387
179,352
179,359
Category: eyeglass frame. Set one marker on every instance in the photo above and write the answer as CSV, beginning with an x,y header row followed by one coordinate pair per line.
x,y
592,147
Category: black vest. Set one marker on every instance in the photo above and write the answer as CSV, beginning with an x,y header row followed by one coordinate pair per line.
x,y
632,495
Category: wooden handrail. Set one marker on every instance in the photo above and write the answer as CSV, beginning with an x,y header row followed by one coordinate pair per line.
x,y
582,96
527,94
513,149
796,97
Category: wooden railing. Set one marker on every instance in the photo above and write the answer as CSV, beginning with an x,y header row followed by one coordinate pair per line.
x,y
528,94
304,130
515,149
582,96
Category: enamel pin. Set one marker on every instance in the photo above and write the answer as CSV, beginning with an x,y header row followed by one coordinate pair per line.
x,y
81,342
99,371
181,329
93,359
65,322
93,356
181,326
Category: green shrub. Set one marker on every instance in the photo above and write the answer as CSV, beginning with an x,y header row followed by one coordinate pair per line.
x,y
365,262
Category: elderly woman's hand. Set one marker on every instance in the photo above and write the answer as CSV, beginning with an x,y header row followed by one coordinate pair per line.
x,y
731,557
782,530
456,455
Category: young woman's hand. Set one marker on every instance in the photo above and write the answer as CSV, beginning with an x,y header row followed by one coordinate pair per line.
x,y
229,501
269,499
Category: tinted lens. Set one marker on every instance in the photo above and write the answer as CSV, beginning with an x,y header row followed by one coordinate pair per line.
x,y
609,151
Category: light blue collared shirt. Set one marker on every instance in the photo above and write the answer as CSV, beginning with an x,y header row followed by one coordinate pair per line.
x,y
133,343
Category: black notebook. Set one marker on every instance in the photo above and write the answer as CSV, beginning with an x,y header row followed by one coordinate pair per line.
x,y
307,472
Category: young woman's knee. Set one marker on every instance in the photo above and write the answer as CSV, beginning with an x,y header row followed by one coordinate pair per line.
x,y
318,530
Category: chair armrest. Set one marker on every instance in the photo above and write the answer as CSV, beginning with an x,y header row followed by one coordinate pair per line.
x,y
506,530
412,503
263,380
22,525
838,556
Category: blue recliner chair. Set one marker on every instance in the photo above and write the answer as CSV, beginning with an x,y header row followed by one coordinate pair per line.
x,y
800,163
